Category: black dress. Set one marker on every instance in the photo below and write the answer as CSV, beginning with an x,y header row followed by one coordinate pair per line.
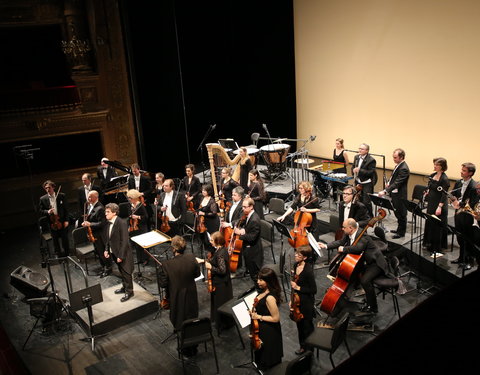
x,y
271,351
223,288
340,159
244,171
227,188
193,188
297,204
308,289
256,191
435,238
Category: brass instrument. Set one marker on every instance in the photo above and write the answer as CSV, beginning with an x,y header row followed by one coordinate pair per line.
x,y
475,211
449,195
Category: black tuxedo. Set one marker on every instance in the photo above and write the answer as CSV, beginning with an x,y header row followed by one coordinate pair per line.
x,y
104,180
178,208
252,246
82,199
398,189
62,212
235,215
118,246
358,211
97,220
367,171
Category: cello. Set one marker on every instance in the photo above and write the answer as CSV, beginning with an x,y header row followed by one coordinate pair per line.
x,y
342,268
235,245
302,221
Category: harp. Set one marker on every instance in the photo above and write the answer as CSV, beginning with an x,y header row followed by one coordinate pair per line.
x,y
218,156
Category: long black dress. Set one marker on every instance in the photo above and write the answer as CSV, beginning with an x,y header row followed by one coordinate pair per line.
x,y
245,168
435,238
223,288
271,351
256,191
335,185
227,188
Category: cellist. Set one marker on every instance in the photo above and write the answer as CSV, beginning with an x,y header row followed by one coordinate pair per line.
x,y
372,265
306,203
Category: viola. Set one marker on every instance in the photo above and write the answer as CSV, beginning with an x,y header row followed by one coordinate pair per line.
x,y
200,227
133,223
190,206
210,287
164,226
302,221
342,269
295,313
255,330
55,222
165,303
235,245
90,235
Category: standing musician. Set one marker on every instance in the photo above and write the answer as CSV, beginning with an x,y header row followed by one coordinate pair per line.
x,y
138,222
138,181
219,281
245,166
105,173
252,249
178,275
304,286
339,156
475,235
115,237
96,221
208,212
256,191
159,180
227,184
305,202
266,316
54,207
192,186
171,204
350,207
464,193
363,170
83,191
397,189
235,211
374,263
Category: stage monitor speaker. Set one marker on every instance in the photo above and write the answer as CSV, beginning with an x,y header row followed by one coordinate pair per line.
x,y
30,283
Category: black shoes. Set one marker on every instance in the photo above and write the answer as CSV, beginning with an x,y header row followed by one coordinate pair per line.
x,y
105,272
126,297
120,291
397,236
369,309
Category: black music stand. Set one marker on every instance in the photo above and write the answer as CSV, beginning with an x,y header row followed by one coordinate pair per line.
x,y
381,202
282,228
87,298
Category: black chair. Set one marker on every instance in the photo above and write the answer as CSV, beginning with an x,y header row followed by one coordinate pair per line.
x,y
276,208
266,233
83,247
298,366
328,339
194,332
390,283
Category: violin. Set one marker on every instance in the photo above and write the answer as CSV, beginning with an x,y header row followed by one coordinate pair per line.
x,y
165,303
55,222
302,221
90,235
164,227
190,206
235,245
133,223
200,227
295,313
255,330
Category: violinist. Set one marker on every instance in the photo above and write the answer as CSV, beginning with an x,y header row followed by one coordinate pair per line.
x,y
227,184
83,191
256,191
192,185
54,207
96,221
171,205
305,202
266,314
208,210
249,234
350,207
304,287
138,222
374,263
221,284
140,182
159,180
235,211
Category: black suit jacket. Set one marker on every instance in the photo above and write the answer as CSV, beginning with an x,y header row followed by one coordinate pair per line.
x,y
178,204
358,211
367,169
252,241
97,219
82,198
105,180
236,215
145,186
118,243
62,210
470,192
399,180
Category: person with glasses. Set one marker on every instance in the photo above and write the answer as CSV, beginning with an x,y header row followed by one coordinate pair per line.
x,y
172,205
364,173
350,207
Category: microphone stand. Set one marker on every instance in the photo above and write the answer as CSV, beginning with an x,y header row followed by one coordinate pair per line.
x,y
200,148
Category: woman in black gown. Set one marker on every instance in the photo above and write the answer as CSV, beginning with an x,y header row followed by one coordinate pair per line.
x,y
138,222
339,156
435,238
227,184
219,267
192,186
267,314
256,191
245,167
303,284
208,209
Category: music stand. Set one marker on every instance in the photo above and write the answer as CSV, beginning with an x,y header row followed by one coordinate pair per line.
x,y
282,228
383,202
87,298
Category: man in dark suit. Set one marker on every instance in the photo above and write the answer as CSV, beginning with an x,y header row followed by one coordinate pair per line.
x,y
139,182
396,188
96,220
363,170
372,265
117,246
83,191
464,191
105,173
252,249
172,204
349,207
54,207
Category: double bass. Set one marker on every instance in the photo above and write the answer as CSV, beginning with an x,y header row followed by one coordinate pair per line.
x,y
342,267
302,221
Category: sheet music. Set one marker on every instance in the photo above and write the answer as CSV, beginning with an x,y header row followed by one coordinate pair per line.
x,y
249,299
241,313
313,242
150,239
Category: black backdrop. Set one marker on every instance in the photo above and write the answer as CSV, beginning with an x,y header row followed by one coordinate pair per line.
x,y
194,64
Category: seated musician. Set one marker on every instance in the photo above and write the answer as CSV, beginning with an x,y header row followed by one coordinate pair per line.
x,y
305,202
350,207
192,186
372,265
172,205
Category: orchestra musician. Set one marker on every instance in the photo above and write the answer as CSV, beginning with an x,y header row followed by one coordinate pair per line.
x,y
54,206
117,246
192,186
475,235
249,234
464,192
208,209
105,173
303,284
140,182
435,237
305,202
245,166
227,184
363,170
171,204
256,191
374,263
350,207
138,222
267,314
397,189
83,191
96,220
159,179
339,156
235,211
